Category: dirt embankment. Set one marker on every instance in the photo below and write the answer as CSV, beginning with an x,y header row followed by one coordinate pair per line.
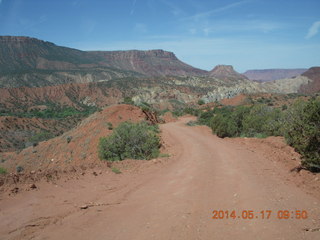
x,y
75,147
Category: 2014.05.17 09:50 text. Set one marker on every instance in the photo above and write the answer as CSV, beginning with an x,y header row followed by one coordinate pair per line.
x,y
263,214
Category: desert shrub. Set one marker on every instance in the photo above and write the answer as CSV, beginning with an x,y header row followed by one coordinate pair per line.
x,y
110,126
224,125
201,102
205,117
191,111
187,110
191,123
130,140
261,119
302,131
116,170
54,112
257,121
19,169
145,106
238,115
128,100
3,170
41,136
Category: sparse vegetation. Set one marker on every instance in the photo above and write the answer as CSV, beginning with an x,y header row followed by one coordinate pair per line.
x,y
116,170
164,155
191,123
187,110
3,170
128,100
19,169
110,126
201,102
69,138
53,112
42,136
130,140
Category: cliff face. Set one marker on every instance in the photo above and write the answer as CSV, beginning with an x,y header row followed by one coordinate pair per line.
x,y
151,63
314,85
266,75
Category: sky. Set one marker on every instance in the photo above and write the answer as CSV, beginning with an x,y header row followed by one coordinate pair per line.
x,y
248,34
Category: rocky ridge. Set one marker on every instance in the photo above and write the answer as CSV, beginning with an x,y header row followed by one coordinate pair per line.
x,y
314,85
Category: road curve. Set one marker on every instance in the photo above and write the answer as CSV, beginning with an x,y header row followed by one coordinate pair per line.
x,y
177,202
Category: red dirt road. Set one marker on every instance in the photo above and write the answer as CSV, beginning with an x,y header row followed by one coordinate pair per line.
x,y
170,200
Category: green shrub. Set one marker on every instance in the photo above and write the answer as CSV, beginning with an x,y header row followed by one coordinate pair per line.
x,y
188,110
19,169
164,155
257,121
116,170
261,119
205,117
302,131
110,126
201,102
128,100
130,140
3,170
238,115
41,136
191,123
54,112
224,126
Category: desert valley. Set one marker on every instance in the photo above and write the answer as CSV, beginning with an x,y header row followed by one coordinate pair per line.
x,y
140,145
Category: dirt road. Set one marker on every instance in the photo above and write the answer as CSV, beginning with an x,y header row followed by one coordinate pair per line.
x,y
173,201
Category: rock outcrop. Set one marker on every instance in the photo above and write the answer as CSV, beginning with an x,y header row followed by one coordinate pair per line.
x,y
226,72
312,86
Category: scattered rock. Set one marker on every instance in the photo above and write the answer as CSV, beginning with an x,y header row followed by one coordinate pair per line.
x,y
95,174
311,229
69,138
33,186
14,190
19,169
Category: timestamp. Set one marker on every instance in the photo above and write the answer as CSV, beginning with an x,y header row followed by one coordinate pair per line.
x,y
263,214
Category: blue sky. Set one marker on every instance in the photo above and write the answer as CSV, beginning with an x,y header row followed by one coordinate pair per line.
x,y
248,34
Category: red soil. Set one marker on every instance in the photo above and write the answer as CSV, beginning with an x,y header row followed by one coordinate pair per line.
x,y
173,198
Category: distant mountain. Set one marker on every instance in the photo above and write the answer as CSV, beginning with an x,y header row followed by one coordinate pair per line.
x,y
24,53
226,72
32,62
266,75
314,85
151,63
